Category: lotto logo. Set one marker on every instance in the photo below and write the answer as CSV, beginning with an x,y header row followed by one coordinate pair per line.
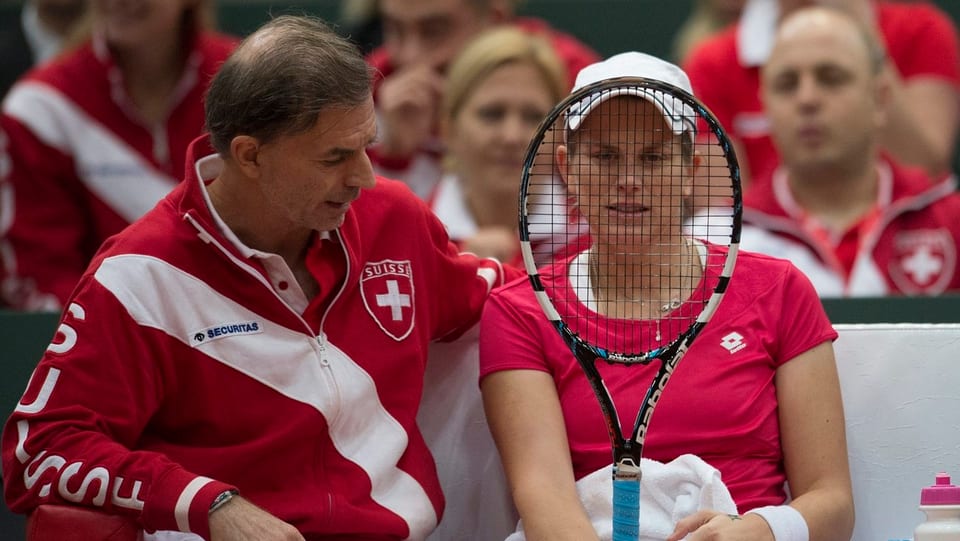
x,y
733,342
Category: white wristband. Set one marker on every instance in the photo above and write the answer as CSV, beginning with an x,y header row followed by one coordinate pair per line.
x,y
786,522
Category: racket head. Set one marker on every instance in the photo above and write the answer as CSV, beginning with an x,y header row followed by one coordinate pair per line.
x,y
629,187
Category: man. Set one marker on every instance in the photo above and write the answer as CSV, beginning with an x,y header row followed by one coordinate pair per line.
x,y
853,219
420,38
262,330
923,69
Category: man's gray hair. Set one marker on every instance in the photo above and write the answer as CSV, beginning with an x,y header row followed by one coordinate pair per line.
x,y
281,78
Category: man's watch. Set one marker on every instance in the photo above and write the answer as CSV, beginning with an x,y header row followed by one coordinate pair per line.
x,y
222,499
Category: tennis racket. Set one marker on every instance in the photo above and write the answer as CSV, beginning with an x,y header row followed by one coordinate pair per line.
x,y
630,214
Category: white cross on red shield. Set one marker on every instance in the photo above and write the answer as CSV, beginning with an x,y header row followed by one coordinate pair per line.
x,y
923,261
387,290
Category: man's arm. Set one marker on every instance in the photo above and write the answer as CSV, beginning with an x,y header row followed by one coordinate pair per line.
x,y
922,121
70,439
461,279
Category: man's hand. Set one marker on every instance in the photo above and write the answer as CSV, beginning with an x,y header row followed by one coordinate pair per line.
x,y
710,525
497,242
408,104
240,520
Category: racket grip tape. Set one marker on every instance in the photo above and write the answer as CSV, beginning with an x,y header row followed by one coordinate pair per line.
x,y
626,510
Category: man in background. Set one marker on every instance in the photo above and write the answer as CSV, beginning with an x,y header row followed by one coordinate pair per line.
x,y
850,216
921,62
420,37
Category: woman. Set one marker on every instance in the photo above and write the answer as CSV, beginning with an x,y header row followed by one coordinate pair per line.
x,y
95,138
498,90
706,18
757,395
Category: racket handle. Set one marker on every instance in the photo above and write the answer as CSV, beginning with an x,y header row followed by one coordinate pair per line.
x,y
626,510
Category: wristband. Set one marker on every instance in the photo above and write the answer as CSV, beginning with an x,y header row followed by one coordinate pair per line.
x,y
786,523
222,499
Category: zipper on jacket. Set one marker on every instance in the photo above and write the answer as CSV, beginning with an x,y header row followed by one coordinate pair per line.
x,y
322,343
330,379
321,337
161,146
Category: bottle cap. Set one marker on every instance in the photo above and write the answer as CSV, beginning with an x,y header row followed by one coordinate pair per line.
x,y
942,493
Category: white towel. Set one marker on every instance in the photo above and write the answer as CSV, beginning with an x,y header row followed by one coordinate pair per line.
x,y
668,493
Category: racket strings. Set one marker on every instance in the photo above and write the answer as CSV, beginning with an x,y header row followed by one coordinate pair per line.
x,y
635,198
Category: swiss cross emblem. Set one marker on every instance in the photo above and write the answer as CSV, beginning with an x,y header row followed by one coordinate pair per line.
x,y
387,290
923,261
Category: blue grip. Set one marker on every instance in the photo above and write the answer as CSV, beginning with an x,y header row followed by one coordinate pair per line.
x,y
626,510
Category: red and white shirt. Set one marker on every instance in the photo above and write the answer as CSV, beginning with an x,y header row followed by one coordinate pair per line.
x,y
553,235
920,39
187,363
907,245
78,164
721,402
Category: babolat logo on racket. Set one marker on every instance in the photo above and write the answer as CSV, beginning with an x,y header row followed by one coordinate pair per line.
x,y
387,290
668,366
223,331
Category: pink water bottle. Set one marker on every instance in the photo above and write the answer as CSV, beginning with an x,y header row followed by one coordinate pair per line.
x,y
941,504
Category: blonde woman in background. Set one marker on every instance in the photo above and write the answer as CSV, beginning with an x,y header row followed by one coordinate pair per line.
x,y
94,139
706,18
497,92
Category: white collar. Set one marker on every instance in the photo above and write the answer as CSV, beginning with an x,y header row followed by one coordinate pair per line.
x,y
785,198
756,30
43,43
450,206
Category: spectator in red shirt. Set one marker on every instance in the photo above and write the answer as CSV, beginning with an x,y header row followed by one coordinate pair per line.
x,y
91,141
853,219
420,39
923,66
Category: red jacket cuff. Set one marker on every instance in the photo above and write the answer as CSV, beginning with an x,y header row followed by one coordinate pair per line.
x,y
180,501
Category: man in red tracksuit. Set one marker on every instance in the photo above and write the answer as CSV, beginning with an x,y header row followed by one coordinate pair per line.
x,y
246,361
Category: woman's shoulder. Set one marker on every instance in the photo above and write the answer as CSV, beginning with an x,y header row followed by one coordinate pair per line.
x,y
72,67
757,272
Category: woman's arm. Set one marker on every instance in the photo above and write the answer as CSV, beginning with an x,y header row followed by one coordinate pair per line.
x,y
813,436
523,411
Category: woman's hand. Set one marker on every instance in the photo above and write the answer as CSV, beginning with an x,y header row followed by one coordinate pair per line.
x,y
708,525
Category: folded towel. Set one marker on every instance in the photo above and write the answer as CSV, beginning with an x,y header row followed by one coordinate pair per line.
x,y
668,493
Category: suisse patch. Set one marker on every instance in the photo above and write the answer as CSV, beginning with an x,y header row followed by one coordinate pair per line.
x,y
225,330
387,290
923,261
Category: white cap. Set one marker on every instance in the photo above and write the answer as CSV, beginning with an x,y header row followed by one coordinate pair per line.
x,y
634,64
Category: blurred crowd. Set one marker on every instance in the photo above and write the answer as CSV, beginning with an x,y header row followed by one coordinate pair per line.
x,y
846,162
